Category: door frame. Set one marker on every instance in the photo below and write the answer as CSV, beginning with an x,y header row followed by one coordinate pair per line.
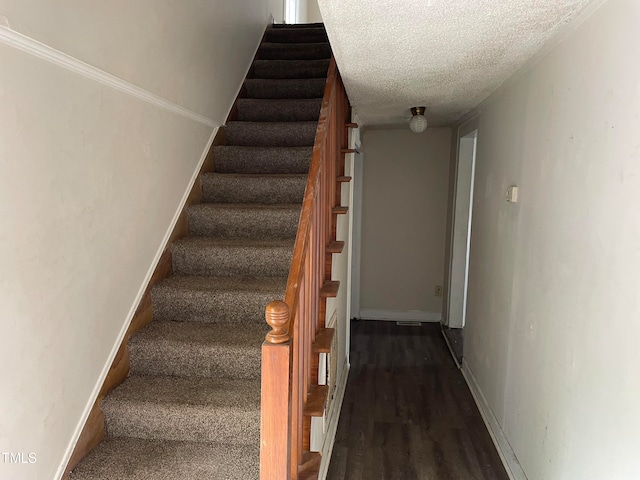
x,y
462,214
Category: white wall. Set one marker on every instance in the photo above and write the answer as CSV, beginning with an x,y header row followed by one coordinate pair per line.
x,y
404,211
313,14
91,180
552,324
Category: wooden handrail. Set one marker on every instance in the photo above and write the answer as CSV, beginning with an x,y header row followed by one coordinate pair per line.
x,y
290,394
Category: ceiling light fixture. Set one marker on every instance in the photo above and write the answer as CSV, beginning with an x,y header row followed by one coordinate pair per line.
x,y
418,122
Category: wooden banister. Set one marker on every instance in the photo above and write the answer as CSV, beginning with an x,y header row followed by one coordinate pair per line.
x,y
290,393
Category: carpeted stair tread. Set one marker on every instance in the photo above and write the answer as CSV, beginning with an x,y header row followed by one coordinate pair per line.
x,y
237,159
279,110
291,88
138,459
227,258
271,134
253,188
296,35
232,220
189,349
215,299
293,51
185,409
291,68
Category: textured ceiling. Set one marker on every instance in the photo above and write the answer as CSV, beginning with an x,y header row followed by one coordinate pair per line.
x,y
446,54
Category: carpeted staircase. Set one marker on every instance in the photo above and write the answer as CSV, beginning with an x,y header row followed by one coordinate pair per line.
x,y
190,408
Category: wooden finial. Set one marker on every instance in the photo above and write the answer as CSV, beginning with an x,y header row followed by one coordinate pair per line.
x,y
277,314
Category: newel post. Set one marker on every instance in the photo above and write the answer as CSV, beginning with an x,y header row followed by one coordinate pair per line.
x,y
275,448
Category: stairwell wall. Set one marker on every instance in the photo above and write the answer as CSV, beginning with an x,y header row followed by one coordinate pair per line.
x,y
313,12
551,342
97,153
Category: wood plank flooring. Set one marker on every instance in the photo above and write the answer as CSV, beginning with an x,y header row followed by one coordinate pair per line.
x,y
408,413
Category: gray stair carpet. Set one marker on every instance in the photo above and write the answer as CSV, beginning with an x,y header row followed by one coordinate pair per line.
x,y
290,68
293,51
190,408
285,88
283,110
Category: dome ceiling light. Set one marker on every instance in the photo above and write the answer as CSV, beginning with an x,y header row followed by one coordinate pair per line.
x,y
418,122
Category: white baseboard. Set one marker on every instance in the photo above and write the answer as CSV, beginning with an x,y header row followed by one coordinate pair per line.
x,y
507,455
400,315
453,354
330,437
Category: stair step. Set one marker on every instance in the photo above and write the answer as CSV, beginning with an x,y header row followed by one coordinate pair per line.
x,y
138,459
330,289
252,188
185,409
293,51
340,210
194,349
316,400
324,340
215,299
231,257
291,68
275,160
310,466
335,246
296,35
279,110
229,220
293,88
271,134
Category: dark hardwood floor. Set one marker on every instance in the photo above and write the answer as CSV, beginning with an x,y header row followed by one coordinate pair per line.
x,y
408,413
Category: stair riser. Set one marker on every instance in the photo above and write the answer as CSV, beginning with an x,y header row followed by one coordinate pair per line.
x,y
237,223
304,110
296,35
290,69
230,261
180,360
182,423
294,51
210,306
253,189
288,26
261,161
307,88
294,134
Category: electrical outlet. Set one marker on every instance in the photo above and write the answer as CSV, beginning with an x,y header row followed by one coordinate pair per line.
x,y
438,290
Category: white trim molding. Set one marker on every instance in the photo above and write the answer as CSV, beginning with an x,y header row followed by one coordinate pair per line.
x,y
45,52
400,315
330,437
506,453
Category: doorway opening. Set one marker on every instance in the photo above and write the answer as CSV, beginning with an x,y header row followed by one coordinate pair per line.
x,y
461,243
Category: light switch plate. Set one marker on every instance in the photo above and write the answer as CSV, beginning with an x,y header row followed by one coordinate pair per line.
x,y
512,194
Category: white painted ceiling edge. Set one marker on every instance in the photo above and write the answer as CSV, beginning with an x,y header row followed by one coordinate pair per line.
x,y
446,55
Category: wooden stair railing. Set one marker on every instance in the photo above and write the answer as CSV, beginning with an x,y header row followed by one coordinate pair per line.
x,y
290,354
